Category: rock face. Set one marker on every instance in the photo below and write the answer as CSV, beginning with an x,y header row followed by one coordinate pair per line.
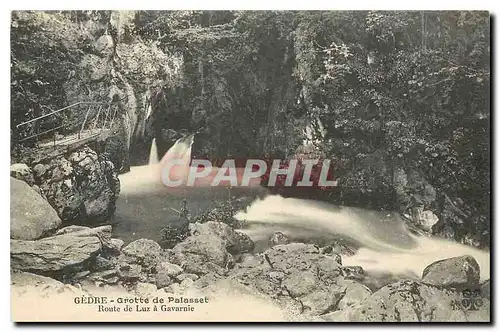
x,y
53,254
412,301
31,216
460,222
81,186
459,272
297,276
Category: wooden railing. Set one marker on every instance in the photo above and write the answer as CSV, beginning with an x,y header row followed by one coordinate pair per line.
x,y
75,122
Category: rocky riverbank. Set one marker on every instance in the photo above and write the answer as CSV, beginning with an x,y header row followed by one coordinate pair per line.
x,y
303,282
52,254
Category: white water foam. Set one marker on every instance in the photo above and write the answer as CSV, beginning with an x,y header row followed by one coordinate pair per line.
x,y
153,153
386,244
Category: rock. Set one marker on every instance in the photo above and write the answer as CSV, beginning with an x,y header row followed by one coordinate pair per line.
x,y
223,213
162,280
353,272
278,238
413,189
102,264
201,254
297,275
486,289
336,316
81,275
460,222
32,280
54,254
103,276
249,260
31,217
244,244
187,283
355,293
462,271
29,284
71,229
97,66
428,219
300,256
117,243
169,269
22,172
165,272
81,186
412,301
143,252
183,276
144,289
339,247
235,242
39,191
104,45
129,272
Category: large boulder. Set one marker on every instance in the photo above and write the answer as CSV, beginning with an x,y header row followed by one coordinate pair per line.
x,y
412,301
31,217
462,272
201,254
144,252
297,276
63,253
81,186
235,242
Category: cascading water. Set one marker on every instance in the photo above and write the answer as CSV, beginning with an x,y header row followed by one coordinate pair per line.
x,y
153,153
384,243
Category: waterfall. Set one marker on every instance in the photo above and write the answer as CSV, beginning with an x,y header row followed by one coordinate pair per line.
x,y
153,153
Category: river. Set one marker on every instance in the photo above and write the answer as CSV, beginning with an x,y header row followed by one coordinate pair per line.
x,y
384,244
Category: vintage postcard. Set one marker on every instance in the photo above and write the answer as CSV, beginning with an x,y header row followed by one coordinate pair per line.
x,y
250,166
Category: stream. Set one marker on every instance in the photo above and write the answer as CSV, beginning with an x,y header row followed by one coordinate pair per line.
x,y
384,244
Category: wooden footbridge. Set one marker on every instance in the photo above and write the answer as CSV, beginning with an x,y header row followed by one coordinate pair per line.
x,y
70,126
